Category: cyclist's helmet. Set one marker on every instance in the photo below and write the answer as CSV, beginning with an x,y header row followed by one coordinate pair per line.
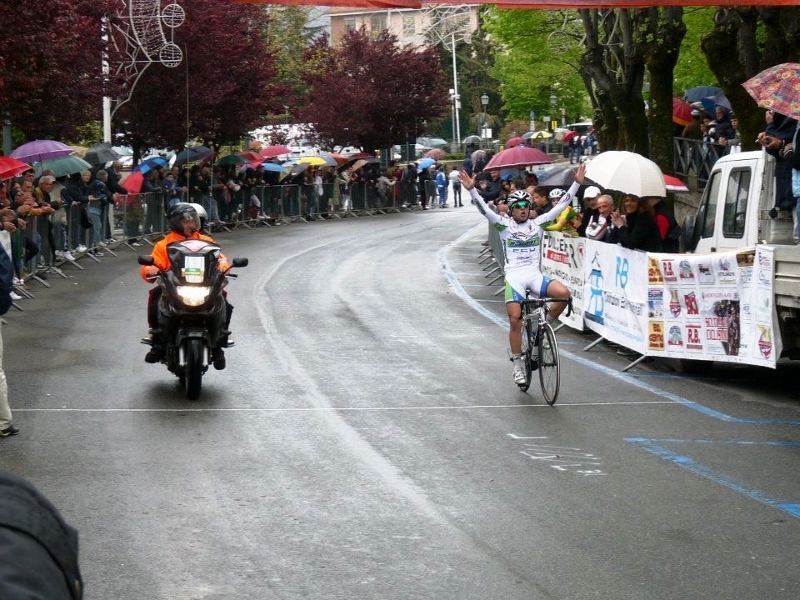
x,y
201,213
555,194
183,211
518,198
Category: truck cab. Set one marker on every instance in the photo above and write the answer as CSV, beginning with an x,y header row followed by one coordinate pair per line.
x,y
735,210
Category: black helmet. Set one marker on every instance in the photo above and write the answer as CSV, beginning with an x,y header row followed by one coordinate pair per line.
x,y
181,212
518,197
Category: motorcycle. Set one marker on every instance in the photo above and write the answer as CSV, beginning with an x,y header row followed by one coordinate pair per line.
x,y
192,311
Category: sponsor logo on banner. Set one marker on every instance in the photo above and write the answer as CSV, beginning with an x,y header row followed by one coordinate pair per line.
x,y
725,272
655,340
655,303
704,273
693,342
653,272
668,270
690,300
685,271
764,341
675,339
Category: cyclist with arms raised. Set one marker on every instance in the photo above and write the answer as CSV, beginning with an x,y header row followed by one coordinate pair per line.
x,y
521,234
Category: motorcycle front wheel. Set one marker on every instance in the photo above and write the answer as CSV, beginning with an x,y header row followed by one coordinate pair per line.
x,y
194,368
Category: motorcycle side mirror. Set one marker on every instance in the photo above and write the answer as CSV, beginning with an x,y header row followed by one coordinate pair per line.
x,y
240,262
146,260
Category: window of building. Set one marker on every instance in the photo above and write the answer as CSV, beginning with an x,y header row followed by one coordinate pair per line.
x,y
349,24
377,23
409,26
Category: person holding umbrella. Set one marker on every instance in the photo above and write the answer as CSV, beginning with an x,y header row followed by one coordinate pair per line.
x,y
521,235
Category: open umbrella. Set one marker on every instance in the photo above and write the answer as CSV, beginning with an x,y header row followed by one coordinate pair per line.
x,y
777,88
133,182
559,176
61,165
520,156
514,142
11,167
436,154
539,135
232,159
100,154
569,135
699,92
274,151
681,112
271,166
628,173
148,164
425,163
340,159
315,161
37,150
193,154
673,184
710,103
471,139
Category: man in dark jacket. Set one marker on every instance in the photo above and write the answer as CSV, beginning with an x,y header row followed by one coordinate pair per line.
x,y
38,550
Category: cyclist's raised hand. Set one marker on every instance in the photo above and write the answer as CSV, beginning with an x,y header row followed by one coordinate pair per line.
x,y
466,180
580,173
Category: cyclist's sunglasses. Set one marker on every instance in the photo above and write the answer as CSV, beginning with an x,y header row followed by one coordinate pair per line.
x,y
519,204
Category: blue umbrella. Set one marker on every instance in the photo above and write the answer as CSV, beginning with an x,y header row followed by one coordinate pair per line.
x,y
696,94
154,162
271,166
191,155
710,103
424,164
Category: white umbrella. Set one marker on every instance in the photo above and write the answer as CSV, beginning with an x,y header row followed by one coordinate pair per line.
x,y
628,173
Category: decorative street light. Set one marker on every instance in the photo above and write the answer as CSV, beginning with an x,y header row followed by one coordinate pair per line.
x,y
484,124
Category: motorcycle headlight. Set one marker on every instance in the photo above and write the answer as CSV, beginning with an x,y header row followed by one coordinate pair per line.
x,y
193,295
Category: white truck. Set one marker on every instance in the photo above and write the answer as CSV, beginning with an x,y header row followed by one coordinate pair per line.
x,y
735,212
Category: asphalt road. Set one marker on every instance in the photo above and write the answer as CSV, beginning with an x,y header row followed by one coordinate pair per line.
x,y
367,441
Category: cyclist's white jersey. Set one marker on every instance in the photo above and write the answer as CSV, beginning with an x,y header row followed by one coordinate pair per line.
x,y
522,241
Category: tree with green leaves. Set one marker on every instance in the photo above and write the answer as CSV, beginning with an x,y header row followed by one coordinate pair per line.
x,y
368,92
744,41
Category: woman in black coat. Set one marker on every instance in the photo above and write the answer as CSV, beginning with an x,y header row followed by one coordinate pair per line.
x,y
637,230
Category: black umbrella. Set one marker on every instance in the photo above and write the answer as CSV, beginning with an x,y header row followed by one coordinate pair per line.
x,y
100,154
192,154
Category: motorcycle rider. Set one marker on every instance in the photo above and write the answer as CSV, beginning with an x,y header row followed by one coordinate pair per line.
x,y
186,223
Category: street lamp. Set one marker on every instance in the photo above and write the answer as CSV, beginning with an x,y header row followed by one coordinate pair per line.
x,y
485,103
553,102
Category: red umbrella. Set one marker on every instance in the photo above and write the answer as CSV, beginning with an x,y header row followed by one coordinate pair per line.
x,y
521,156
11,167
681,112
514,142
339,158
273,151
569,135
133,182
673,184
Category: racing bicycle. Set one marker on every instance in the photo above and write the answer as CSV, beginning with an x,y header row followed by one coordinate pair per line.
x,y
539,345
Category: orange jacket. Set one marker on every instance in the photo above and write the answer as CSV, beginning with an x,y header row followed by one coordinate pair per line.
x,y
161,260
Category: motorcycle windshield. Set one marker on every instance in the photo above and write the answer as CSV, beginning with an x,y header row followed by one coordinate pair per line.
x,y
193,261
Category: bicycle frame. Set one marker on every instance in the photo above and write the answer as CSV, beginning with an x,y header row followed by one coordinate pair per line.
x,y
539,345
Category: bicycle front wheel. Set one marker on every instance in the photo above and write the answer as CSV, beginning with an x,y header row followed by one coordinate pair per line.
x,y
528,353
549,367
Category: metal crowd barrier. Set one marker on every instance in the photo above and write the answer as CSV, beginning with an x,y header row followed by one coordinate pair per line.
x,y
136,220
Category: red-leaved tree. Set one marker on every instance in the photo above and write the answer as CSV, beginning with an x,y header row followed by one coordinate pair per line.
x,y
51,65
226,81
370,92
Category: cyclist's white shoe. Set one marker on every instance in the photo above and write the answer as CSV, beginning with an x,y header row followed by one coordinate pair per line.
x,y
519,376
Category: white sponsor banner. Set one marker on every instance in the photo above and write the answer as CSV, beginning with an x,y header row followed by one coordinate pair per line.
x,y
562,259
704,307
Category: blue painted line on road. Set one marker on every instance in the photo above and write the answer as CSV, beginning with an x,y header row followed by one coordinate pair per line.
x,y
689,463
501,321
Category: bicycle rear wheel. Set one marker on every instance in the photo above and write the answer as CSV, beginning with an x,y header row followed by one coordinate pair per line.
x,y
549,367
528,353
